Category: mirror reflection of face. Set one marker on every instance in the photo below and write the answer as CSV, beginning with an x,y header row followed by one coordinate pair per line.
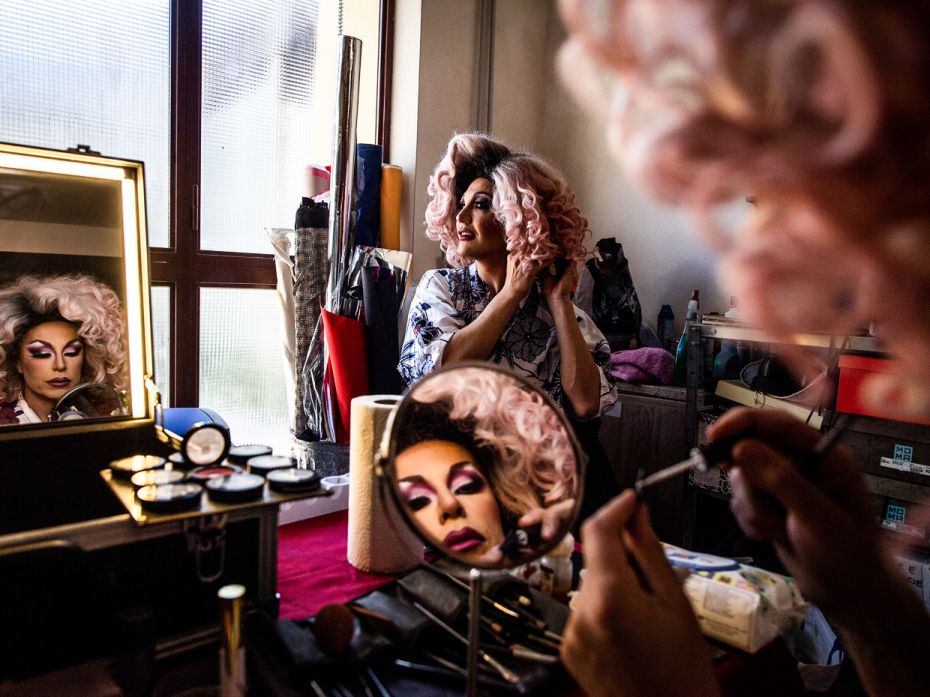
x,y
450,499
50,359
478,231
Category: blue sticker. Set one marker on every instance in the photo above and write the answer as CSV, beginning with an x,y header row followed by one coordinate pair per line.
x,y
905,453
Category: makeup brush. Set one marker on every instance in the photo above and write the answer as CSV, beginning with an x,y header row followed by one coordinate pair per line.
x,y
703,457
502,670
333,626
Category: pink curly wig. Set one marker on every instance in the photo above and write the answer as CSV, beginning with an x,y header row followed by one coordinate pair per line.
x,y
531,200
534,461
82,300
802,104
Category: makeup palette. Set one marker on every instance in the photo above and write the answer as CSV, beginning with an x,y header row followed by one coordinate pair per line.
x,y
126,467
236,488
157,477
293,480
170,498
208,472
241,454
263,464
177,460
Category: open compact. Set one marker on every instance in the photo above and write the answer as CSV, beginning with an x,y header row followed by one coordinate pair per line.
x,y
170,498
126,467
236,488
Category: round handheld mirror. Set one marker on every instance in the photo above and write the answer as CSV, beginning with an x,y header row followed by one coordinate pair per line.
x,y
89,400
483,466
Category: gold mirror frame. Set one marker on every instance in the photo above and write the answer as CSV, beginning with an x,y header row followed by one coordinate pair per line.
x,y
136,283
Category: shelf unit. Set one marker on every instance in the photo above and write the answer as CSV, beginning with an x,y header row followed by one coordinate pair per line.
x,y
871,440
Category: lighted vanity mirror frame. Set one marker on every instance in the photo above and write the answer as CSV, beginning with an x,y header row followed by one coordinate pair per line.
x,y
494,433
128,176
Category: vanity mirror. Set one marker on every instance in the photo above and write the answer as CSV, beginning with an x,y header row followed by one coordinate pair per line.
x,y
73,291
483,466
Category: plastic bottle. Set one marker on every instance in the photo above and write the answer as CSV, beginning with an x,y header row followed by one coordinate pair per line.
x,y
693,313
556,567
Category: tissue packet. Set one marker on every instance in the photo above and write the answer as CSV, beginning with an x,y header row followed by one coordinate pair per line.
x,y
737,604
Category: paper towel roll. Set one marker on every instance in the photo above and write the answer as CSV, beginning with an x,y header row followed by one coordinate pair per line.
x,y
379,540
391,177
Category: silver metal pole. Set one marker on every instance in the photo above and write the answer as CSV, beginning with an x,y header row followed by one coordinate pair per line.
x,y
342,182
474,631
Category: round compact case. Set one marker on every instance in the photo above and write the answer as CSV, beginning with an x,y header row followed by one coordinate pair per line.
x,y
126,467
157,477
208,472
293,480
177,460
241,454
170,498
263,464
236,488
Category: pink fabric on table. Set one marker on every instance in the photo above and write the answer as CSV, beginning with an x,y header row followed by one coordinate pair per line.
x,y
312,567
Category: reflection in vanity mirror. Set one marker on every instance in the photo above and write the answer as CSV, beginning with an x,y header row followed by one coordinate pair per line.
x,y
72,286
483,466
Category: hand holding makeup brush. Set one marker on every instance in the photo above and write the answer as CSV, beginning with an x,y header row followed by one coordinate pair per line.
x,y
632,630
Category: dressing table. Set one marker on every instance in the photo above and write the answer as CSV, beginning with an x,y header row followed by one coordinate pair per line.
x,y
82,577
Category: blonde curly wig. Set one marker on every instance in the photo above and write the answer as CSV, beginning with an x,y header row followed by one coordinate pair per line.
x,y
532,201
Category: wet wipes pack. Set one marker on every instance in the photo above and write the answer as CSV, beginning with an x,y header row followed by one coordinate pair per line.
x,y
740,605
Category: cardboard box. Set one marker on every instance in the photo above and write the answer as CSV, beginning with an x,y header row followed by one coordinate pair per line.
x,y
854,371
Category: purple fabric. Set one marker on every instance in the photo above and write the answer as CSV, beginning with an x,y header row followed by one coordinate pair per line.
x,y
643,365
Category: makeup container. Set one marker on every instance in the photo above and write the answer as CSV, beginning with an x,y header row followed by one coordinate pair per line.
x,y
263,464
236,488
208,472
232,650
178,462
293,480
157,477
241,454
170,498
126,467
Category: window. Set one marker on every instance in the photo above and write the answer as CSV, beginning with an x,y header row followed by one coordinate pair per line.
x,y
226,102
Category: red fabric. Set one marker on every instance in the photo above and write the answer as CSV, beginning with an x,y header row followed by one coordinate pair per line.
x,y
348,365
312,567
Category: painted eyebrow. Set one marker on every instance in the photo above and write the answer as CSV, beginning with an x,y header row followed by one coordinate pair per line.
x,y
78,341
413,479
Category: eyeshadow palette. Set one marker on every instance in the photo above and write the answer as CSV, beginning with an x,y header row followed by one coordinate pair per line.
x,y
157,477
263,464
293,480
170,498
128,466
241,454
236,488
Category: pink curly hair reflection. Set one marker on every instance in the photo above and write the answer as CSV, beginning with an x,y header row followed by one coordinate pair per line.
x,y
535,462
86,302
531,199
802,104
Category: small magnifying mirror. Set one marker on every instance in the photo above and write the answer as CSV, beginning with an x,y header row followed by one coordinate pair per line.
x,y
88,401
484,467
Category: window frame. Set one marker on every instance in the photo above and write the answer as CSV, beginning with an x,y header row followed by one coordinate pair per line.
x,y
183,267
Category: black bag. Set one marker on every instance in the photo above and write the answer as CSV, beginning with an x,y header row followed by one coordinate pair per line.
x,y
615,306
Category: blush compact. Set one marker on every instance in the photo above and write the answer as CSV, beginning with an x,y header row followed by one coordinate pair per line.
x,y
156,477
293,480
263,464
236,488
208,472
241,454
170,498
126,467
